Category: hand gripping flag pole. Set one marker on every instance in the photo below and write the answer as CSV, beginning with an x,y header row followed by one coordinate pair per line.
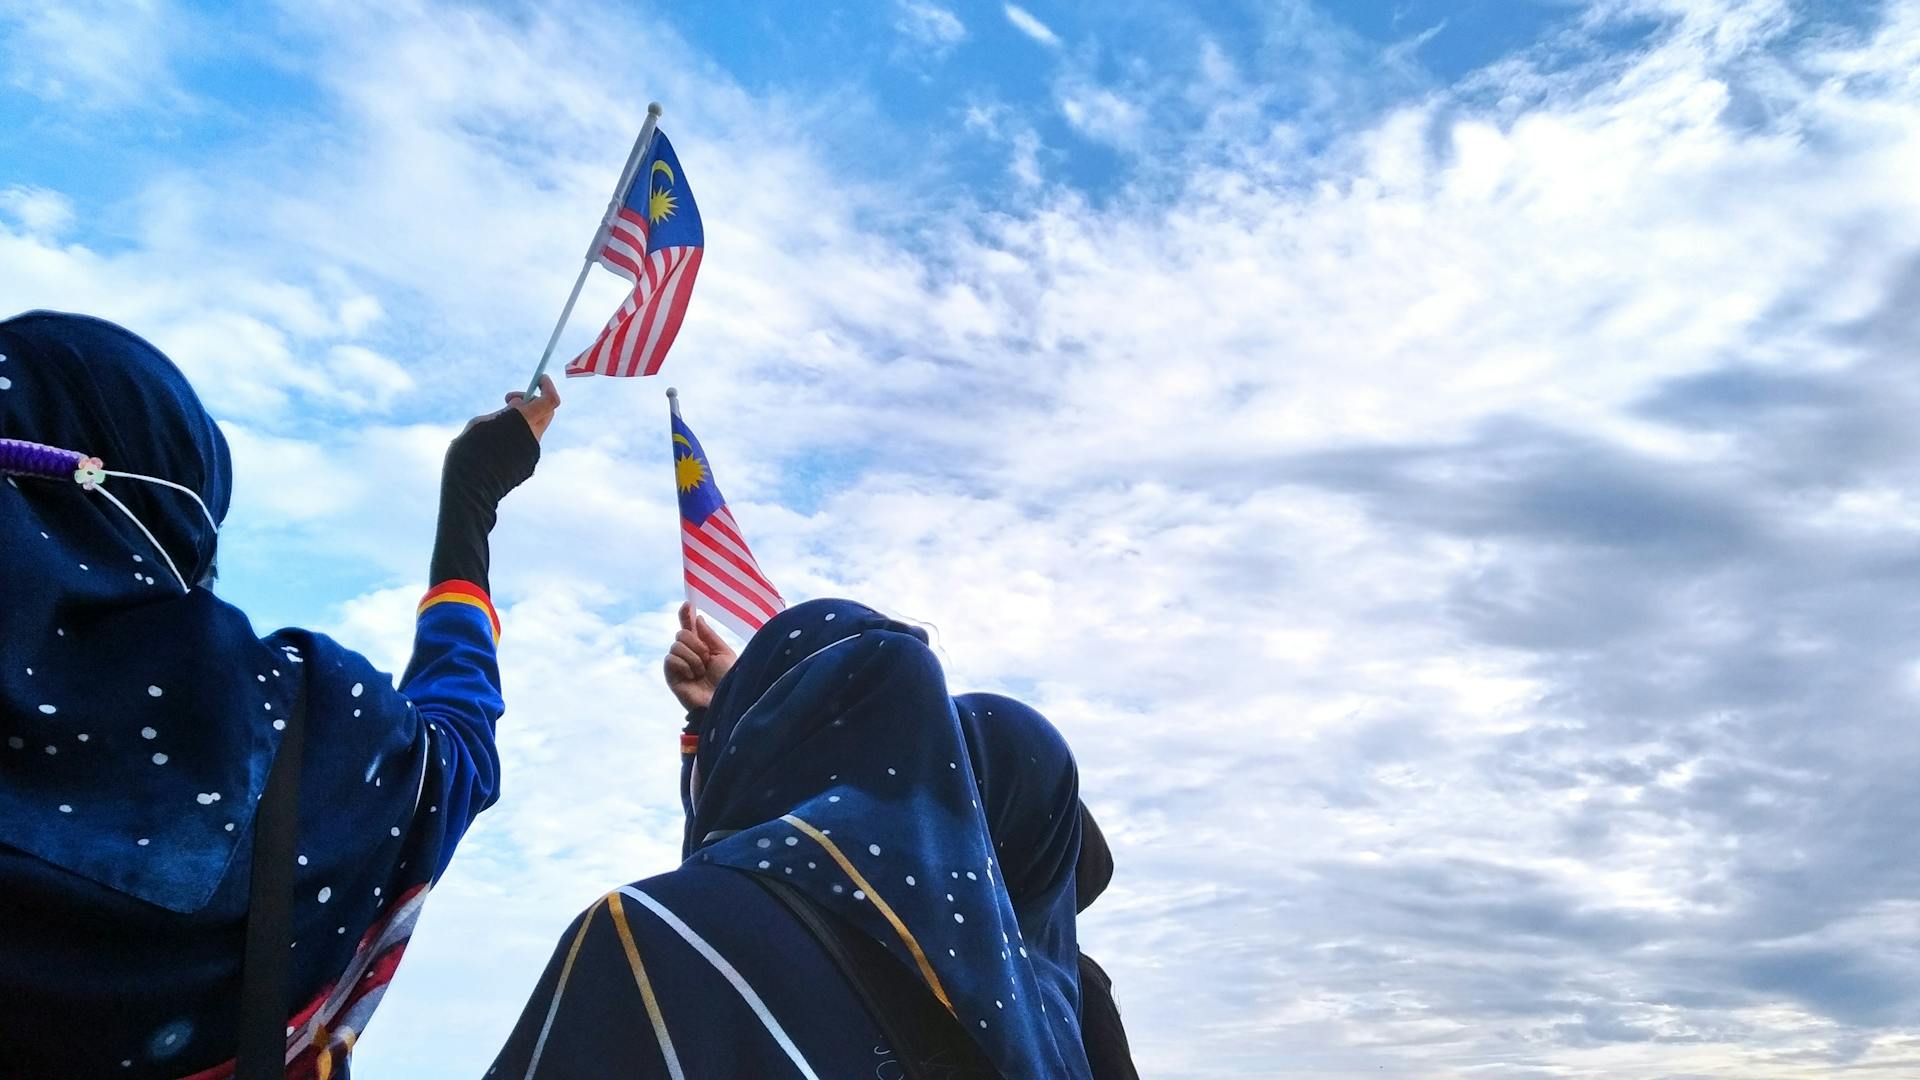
x,y
599,237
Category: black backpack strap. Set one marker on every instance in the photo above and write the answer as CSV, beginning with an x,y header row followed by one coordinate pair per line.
x,y
262,1050
920,1030
830,940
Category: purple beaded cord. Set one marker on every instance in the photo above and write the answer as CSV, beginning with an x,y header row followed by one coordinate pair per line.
x,y
24,458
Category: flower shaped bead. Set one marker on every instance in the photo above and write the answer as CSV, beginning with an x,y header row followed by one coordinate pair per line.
x,y
90,472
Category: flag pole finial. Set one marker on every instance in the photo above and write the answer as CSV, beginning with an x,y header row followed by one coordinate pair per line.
x,y
673,401
654,110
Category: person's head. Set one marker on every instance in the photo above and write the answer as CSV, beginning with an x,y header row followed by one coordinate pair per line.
x,y
85,385
1030,794
136,686
1094,872
1030,789
1025,773
836,761
759,683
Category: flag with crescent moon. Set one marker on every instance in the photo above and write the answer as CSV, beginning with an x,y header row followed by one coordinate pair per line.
x,y
654,240
723,580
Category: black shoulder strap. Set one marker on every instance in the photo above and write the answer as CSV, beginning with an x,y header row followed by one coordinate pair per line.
x,y
918,1027
262,1050
816,924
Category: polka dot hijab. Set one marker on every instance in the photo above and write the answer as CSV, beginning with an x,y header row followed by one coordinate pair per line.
x,y
834,760
137,718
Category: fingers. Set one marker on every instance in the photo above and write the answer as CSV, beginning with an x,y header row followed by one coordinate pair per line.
x,y
703,631
537,410
693,658
549,394
696,661
711,638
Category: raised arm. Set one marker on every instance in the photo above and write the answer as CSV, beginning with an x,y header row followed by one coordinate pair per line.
x,y
454,678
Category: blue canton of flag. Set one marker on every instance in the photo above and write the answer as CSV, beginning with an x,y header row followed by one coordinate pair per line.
x,y
723,580
655,240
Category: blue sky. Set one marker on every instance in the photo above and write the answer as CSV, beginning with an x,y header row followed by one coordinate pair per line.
x,y
1447,466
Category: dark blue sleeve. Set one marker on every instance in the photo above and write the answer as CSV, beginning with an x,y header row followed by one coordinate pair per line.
x,y
454,684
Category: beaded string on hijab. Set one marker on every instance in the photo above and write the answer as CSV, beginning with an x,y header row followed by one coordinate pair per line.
x,y
18,457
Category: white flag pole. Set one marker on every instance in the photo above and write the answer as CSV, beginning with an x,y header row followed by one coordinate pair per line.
x,y
693,603
599,237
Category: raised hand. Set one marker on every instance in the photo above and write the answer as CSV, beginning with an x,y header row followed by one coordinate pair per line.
x,y
696,662
538,410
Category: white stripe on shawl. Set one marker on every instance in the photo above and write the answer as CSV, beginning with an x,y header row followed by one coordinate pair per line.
x,y
732,976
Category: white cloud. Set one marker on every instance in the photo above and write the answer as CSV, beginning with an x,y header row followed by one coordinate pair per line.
x,y
96,53
928,25
252,344
39,211
1101,114
1001,126
1025,22
362,376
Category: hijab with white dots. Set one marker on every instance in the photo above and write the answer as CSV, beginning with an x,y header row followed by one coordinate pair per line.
x,y
833,759
139,713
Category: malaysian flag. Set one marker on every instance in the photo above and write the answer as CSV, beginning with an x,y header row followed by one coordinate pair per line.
x,y
653,240
722,579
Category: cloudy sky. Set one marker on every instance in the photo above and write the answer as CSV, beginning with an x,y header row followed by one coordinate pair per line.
x,y
1448,465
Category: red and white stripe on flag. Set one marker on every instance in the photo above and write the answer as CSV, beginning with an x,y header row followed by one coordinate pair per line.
x,y
636,339
723,579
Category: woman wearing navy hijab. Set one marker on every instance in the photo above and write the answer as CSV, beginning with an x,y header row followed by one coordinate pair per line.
x,y
140,715
836,823
1002,734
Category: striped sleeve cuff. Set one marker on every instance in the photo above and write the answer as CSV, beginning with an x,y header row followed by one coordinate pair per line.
x,y
462,592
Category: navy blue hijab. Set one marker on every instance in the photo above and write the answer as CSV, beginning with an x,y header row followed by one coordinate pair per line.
x,y
1030,791
833,759
137,719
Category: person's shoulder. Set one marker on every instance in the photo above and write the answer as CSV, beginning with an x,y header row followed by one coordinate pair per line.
x,y
651,911
204,623
699,899
693,882
321,660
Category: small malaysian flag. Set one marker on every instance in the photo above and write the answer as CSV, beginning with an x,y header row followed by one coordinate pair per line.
x,y
723,580
653,240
